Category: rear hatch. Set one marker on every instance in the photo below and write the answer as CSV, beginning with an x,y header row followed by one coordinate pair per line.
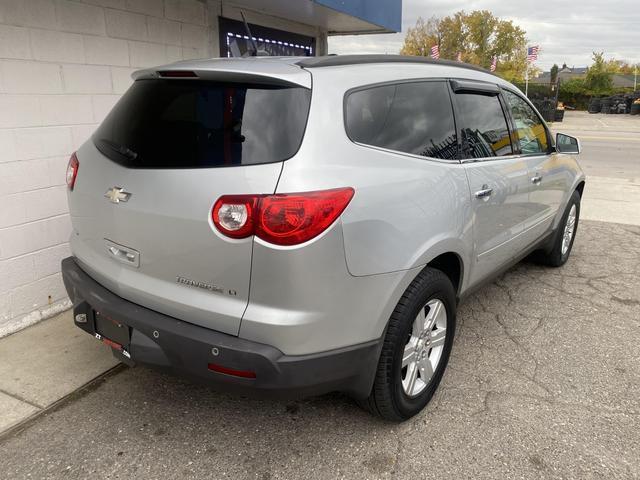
x,y
148,178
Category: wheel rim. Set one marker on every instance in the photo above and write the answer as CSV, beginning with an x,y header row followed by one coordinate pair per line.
x,y
424,347
569,229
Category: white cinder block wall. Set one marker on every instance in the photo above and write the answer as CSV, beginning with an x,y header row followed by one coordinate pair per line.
x,y
63,65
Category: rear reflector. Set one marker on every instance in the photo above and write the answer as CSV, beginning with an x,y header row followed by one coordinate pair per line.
x,y
230,371
178,74
281,219
111,343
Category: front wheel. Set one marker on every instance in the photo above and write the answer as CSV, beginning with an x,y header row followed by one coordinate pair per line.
x,y
566,234
416,348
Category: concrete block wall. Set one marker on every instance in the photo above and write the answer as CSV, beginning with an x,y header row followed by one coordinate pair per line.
x,y
63,65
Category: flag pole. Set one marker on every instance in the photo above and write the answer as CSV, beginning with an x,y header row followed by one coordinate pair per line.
x,y
526,80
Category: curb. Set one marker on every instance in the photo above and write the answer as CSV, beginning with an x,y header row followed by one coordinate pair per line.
x,y
71,397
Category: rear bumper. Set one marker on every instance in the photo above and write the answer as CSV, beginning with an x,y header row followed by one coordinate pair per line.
x,y
170,344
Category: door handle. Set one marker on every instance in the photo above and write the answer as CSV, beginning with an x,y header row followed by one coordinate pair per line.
x,y
537,179
485,192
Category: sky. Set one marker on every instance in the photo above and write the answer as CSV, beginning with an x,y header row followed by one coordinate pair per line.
x,y
567,31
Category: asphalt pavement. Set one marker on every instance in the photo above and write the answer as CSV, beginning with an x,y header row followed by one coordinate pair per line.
x,y
610,143
543,382
611,161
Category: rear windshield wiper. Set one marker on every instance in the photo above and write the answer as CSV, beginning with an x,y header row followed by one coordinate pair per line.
x,y
120,149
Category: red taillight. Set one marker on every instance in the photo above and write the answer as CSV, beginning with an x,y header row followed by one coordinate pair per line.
x,y
282,219
231,371
72,171
178,74
295,218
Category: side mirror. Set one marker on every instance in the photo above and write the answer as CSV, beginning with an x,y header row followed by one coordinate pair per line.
x,y
567,144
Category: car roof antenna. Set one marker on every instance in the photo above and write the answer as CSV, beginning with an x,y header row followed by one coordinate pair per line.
x,y
251,39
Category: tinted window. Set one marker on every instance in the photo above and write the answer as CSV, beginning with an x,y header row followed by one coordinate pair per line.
x,y
484,129
194,124
530,129
414,118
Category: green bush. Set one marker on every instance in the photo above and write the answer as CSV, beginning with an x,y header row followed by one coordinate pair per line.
x,y
574,92
577,93
537,91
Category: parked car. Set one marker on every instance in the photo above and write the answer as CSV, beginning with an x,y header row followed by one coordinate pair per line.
x,y
293,226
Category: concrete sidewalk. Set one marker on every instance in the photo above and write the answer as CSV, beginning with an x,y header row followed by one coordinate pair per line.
x,y
610,199
43,364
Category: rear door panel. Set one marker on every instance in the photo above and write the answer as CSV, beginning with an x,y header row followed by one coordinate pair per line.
x,y
498,220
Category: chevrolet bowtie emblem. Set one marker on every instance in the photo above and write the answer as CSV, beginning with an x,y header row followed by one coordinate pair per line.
x,y
117,195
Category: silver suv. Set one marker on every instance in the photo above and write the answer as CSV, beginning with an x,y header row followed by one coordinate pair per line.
x,y
295,226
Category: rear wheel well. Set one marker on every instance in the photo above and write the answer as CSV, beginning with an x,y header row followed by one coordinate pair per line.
x,y
580,188
450,264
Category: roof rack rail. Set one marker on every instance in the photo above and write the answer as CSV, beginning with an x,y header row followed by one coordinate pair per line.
x,y
340,60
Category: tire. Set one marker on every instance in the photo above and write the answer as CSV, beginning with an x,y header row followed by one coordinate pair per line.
x,y
558,256
431,292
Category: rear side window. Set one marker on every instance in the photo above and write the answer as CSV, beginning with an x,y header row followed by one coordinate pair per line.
x,y
414,118
531,132
483,131
199,124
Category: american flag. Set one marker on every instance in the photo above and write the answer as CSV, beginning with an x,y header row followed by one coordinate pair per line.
x,y
494,64
459,57
532,53
435,52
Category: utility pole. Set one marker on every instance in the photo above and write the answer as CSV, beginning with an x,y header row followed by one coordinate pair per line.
x,y
635,77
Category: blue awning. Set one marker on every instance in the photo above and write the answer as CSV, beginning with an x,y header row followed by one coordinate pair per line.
x,y
385,14
337,17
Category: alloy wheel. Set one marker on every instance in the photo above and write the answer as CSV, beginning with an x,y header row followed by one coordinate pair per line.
x,y
569,229
424,347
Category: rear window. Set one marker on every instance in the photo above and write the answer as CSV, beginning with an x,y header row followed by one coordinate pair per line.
x,y
415,118
200,124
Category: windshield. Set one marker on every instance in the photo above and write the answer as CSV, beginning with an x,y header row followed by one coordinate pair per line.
x,y
199,124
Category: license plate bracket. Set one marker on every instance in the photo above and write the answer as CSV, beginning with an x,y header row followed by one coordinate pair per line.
x,y
113,330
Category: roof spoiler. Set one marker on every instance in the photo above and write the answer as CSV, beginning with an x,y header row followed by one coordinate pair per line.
x,y
341,60
213,75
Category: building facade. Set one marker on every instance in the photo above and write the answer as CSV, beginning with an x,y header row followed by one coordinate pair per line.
x,y
64,64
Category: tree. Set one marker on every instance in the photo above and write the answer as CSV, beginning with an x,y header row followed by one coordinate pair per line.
x,y
453,35
421,38
478,36
620,66
481,25
598,79
510,46
554,73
